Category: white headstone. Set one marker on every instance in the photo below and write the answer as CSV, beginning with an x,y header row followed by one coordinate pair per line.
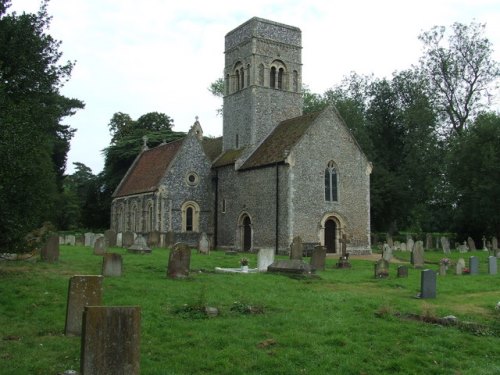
x,y
204,244
265,258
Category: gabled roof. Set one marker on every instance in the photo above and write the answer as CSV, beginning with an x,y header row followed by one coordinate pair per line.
x,y
228,157
148,169
276,147
212,147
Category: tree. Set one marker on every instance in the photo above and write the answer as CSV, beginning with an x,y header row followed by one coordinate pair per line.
x,y
217,89
33,142
460,73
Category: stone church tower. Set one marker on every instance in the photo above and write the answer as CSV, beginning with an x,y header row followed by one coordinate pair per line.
x,y
263,72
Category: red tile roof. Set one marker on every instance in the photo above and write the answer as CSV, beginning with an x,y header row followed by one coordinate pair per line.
x,y
147,171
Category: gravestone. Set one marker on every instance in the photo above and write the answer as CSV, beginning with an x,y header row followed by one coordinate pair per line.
x,y
494,244
82,291
169,239
119,239
410,244
474,265
80,240
397,245
344,256
387,252
402,246
179,261
296,248
61,240
112,265
485,248
471,244
70,240
204,244
89,239
402,271
318,258
50,251
154,239
428,241
127,239
445,244
100,247
291,266
418,254
381,268
459,269
265,257
442,270
492,265
110,237
428,284
462,248
389,240
140,246
96,237
111,340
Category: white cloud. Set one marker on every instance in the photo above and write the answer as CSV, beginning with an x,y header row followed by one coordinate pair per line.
x,y
156,55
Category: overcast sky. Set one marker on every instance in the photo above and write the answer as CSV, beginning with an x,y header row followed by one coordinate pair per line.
x,y
161,55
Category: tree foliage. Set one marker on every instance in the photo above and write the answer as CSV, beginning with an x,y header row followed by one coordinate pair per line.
x,y
33,141
460,70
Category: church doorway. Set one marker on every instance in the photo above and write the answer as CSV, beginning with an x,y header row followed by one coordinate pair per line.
x,y
330,236
247,234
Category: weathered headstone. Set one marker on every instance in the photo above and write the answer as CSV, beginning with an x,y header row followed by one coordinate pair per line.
x,y
127,239
70,239
119,239
96,237
442,269
82,291
402,246
179,261
474,265
459,269
154,238
445,244
112,265
389,240
397,245
428,284
492,265
463,248
387,252
79,240
471,244
169,239
89,239
428,241
61,240
140,246
418,254
494,244
291,266
50,251
402,271
110,237
296,248
100,247
381,268
204,244
410,244
265,257
111,340
318,258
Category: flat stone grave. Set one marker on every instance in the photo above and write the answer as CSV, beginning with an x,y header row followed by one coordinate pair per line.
x,y
474,265
140,246
83,290
402,271
291,266
428,281
110,341
100,246
318,258
296,248
492,265
204,244
381,268
112,265
50,251
265,257
179,261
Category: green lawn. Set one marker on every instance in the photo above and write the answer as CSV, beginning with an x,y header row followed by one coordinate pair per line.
x,y
342,322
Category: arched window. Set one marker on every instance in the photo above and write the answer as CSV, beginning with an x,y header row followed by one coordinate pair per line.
x,y
237,80
261,74
242,75
149,217
272,78
119,221
331,182
280,78
248,75
190,217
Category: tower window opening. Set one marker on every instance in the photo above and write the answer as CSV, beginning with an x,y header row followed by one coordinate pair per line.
x,y
280,78
272,78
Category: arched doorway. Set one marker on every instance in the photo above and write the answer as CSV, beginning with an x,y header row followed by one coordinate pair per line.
x,y
330,236
247,234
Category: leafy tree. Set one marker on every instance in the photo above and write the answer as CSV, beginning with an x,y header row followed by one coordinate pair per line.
x,y
460,72
33,142
217,89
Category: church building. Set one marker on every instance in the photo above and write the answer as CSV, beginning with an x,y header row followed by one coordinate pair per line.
x,y
274,174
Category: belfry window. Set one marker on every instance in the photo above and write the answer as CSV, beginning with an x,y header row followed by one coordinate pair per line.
x,y
272,78
237,80
280,78
242,75
331,183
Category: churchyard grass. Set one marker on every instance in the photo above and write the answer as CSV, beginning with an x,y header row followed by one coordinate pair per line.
x,y
343,322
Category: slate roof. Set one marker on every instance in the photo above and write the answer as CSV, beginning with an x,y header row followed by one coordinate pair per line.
x,y
228,157
212,147
276,147
147,171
